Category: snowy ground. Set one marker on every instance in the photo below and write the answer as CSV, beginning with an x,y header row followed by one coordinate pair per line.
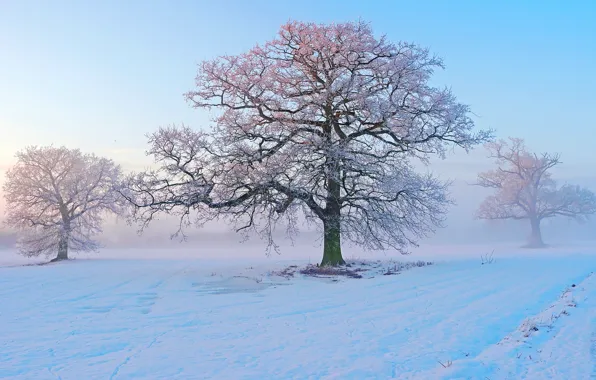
x,y
518,317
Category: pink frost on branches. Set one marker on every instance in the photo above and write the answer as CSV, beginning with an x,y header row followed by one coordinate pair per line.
x,y
324,121
314,75
524,189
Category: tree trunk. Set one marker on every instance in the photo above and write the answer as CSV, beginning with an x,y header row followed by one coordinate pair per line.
x,y
332,245
63,243
536,234
62,249
332,224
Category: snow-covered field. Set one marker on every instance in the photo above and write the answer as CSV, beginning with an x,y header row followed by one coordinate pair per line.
x,y
519,317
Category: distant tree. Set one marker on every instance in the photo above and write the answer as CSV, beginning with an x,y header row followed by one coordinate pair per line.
x,y
56,199
524,189
322,121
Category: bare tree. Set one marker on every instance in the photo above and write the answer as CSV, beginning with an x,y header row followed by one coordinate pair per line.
x,y
323,121
524,189
56,198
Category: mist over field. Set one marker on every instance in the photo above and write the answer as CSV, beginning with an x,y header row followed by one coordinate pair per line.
x,y
461,228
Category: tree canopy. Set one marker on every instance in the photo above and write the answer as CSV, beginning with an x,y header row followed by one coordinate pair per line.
x,y
56,199
524,188
323,121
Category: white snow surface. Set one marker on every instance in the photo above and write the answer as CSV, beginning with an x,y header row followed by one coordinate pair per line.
x,y
519,317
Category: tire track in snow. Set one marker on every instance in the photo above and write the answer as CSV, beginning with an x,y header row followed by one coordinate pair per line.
x,y
564,349
438,333
528,353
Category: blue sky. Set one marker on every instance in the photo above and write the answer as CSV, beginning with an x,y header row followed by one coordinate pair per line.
x,y
99,75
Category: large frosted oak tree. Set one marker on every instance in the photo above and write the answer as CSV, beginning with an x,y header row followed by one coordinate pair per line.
x,y
56,199
525,190
323,121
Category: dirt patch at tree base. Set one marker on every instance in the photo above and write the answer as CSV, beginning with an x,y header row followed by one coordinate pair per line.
x,y
325,271
352,269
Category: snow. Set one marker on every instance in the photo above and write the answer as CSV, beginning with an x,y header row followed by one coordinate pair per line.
x,y
185,318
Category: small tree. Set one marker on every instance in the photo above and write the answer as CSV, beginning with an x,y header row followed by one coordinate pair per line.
x,y
524,189
56,198
322,122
